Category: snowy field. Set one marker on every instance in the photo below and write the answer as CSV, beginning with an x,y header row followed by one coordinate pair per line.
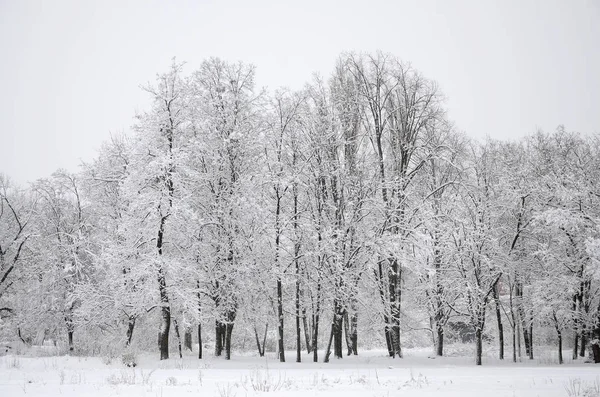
x,y
370,374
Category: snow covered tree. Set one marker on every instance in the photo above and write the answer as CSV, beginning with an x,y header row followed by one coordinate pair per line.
x,y
442,183
63,250
565,166
401,109
15,214
154,188
475,242
117,292
281,192
226,118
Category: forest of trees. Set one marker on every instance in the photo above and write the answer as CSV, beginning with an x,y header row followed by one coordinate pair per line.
x,y
308,220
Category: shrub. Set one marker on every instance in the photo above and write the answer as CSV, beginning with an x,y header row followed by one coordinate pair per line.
x,y
129,358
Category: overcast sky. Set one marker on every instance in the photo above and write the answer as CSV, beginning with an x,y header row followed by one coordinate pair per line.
x,y
71,70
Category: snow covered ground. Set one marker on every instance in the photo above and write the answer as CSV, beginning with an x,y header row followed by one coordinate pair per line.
x,y
370,374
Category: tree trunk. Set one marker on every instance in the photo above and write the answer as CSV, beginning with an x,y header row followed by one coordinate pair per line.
x,y
280,342
439,317
526,338
388,339
199,297
338,337
163,337
596,352
514,342
384,302
560,356
219,334
257,342
223,335
518,326
264,344
298,329
315,322
281,347
165,311
261,350
337,328
513,321
583,338
499,321
395,306
187,339
228,332
596,344
354,332
178,334
531,339
70,338
130,327
440,341
70,329
328,350
583,309
521,312
199,340
346,321
478,347
315,338
306,333
575,329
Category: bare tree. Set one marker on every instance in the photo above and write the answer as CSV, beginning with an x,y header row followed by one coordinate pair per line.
x,y
401,109
16,210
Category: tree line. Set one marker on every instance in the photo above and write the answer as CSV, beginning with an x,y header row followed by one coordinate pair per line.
x,y
353,199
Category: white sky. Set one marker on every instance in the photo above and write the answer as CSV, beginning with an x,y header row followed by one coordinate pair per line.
x,y
71,69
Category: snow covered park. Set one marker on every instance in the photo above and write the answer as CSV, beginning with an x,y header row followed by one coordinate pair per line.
x,y
332,214
372,373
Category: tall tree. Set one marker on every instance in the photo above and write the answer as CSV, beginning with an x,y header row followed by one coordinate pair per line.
x,y
227,116
475,242
63,247
401,109
15,214
156,171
